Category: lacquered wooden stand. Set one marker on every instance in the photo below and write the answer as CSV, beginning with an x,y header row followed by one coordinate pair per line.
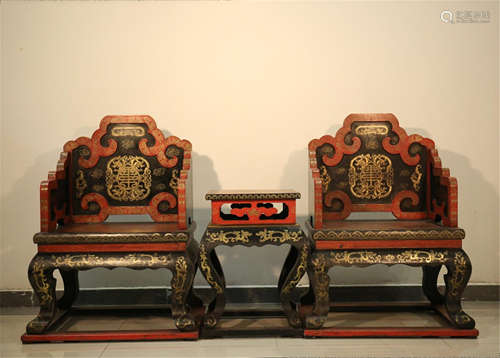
x,y
253,218
68,326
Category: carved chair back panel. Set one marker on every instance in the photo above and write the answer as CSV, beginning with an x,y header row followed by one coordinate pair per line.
x,y
373,165
127,167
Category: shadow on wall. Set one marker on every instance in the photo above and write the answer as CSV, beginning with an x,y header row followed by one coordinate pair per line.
x,y
204,179
478,213
295,177
21,214
21,220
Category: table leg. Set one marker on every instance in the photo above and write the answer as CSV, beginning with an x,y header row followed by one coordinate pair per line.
x,y
212,271
290,282
290,260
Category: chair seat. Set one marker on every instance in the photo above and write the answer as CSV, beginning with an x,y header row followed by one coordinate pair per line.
x,y
359,234
386,230
108,233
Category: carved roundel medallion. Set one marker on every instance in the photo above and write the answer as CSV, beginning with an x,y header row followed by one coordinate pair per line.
x,y
371,176
128,178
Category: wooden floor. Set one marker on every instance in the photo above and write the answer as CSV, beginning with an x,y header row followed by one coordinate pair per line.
x,y
486,345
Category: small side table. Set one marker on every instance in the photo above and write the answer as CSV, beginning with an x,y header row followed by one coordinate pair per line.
x,y
254,218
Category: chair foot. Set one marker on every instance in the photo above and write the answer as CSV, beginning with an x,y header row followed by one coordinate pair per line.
x,y
459,271
315,322
462,320
210,320
186,323
294,319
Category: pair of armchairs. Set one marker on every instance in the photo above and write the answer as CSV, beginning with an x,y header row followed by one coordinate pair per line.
x,y
129,167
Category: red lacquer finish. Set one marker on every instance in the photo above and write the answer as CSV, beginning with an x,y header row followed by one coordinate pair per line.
x,y
149,247
48,222
253,207
443,174
168,334
253,213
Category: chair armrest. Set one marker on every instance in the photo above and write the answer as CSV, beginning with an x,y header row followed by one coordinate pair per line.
x,y
443,193
315,194
185,199
54,196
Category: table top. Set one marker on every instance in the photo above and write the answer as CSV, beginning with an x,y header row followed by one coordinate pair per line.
x,y
281,194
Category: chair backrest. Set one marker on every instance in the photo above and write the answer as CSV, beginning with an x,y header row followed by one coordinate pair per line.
x,y
373,165
126,167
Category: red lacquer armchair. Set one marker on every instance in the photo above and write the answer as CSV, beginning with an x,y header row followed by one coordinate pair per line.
x,y
372,165
126,167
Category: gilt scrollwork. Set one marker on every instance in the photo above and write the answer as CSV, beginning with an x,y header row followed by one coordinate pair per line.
x,y
371,176
356,257
158,172
98,188
371,129
41,281
97,173
300,271
278,236
81,261
458,276
320,267
370,132
421,256
127,143
416,177
180,277
80,183
371,257
226,237
128,178
447,234
174,181
133,131
207,270
325,178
